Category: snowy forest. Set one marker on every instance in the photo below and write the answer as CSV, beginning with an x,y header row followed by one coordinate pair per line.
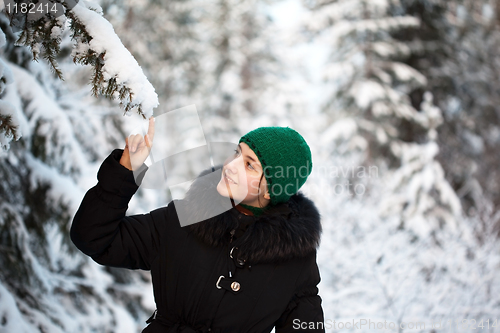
x,y
399,101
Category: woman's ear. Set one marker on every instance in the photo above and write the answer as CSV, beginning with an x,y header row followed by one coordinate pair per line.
x,y
267,196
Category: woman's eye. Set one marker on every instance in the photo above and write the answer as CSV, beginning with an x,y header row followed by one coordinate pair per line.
x,y
250,165
236,152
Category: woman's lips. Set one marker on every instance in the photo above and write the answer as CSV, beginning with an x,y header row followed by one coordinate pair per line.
x,y
229,179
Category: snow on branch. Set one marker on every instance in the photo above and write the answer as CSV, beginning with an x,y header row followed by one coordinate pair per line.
x,y
9,124
117,75
43,36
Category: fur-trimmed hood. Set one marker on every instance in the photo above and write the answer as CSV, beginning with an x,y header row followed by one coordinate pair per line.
x,y
284,231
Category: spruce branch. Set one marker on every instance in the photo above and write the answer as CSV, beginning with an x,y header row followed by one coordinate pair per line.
x,y
38,36
42,35
7,128
110,88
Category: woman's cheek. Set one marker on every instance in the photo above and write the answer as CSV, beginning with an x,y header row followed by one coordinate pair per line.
x,y
254,186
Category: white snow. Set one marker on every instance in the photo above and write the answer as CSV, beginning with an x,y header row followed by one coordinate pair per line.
x,y
118,61
405,73
6,108
2,38
367,92
10,315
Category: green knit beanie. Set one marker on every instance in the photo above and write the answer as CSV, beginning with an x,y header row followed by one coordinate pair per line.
x,y
285,158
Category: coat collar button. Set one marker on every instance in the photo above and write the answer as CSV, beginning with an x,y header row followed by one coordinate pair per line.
x,y
235,286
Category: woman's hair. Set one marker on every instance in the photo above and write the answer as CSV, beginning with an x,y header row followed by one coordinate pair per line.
x,y
260,181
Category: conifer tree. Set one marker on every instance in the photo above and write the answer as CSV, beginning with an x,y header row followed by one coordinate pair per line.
x,y
457,49
116,74
403,238
52,138
372,116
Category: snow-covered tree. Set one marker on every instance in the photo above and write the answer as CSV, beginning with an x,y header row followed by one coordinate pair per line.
x,y
226,68
54,137
372,116
116,74
457,49
396,236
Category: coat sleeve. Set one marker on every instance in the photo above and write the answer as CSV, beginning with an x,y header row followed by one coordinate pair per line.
x,y
304,312
100,228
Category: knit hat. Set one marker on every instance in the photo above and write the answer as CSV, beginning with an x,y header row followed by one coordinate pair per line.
x,y
285,158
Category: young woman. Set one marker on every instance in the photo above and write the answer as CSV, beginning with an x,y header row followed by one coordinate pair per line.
x,y
251,268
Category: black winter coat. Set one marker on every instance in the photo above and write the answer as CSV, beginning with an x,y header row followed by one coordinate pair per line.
x,y
273,265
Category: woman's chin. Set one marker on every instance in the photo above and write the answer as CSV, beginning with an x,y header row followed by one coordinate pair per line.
x,y
222,189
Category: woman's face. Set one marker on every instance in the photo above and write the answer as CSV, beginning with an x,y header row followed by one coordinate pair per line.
x,y
240,178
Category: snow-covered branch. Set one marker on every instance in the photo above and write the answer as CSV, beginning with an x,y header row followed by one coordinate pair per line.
x,y
9,125
117,74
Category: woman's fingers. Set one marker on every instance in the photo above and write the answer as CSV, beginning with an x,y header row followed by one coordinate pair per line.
x,y
137,147
136,142
132,143
125,159
151,132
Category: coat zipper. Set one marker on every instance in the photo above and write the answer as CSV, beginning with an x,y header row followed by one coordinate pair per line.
x,y
232,232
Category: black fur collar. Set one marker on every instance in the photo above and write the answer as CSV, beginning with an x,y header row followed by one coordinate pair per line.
x,y
282,232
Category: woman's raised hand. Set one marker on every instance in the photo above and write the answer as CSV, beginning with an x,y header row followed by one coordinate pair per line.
x,y
137,148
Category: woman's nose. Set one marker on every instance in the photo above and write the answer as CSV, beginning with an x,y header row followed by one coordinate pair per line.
x,y
232,164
